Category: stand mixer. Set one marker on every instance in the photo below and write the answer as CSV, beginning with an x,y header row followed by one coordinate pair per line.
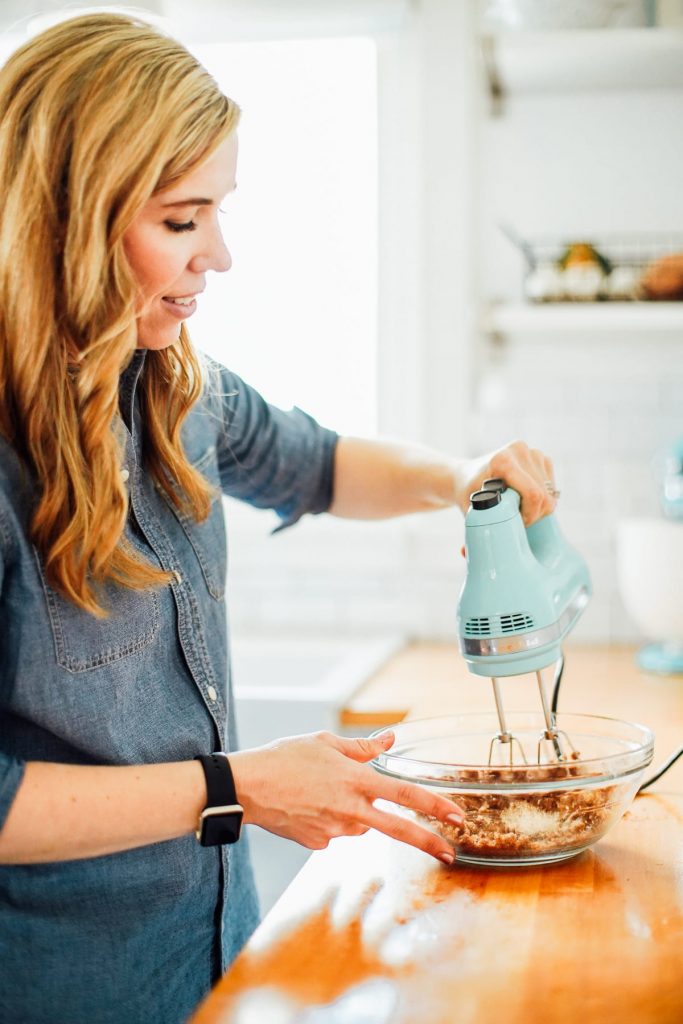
x,y
523,593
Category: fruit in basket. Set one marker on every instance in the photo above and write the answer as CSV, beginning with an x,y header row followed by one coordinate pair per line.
x,y
663,279
623,283
583,282
583,254
544,284
584,270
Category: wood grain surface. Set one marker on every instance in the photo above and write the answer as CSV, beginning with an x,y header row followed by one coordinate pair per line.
x,y
374,931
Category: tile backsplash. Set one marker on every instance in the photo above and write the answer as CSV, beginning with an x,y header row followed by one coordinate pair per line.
x,y
400,575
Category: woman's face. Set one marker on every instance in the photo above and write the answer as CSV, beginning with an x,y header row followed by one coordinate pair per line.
x,y
174,240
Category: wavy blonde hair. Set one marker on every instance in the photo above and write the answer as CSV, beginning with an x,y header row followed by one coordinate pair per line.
x,y
96,115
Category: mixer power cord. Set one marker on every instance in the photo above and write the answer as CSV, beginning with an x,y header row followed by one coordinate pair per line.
x,y
664,768
559,669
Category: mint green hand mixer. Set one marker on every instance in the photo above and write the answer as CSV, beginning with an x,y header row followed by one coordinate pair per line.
x,y
523,593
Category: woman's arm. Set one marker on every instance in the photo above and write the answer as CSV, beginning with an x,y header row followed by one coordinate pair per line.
x,y
67,812
380,479
307,788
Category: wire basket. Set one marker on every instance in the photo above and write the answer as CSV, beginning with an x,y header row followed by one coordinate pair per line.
x,y
610,268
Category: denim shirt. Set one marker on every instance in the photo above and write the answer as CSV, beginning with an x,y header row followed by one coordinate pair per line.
x,y
138,936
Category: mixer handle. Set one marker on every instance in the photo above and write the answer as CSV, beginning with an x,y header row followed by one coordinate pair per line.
x,y
544,536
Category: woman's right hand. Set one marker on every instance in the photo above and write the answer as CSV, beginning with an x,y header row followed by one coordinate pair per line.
x,y
316,787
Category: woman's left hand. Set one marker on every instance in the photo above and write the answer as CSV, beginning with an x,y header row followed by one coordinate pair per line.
x,y
316,787
525,469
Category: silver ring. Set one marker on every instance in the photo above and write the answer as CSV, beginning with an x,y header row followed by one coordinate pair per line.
x,y
550,488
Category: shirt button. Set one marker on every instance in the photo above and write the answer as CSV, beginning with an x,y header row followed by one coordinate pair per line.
x,y
178,577
212,693
124,475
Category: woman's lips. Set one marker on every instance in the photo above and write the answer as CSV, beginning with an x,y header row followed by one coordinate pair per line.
x,y
180,312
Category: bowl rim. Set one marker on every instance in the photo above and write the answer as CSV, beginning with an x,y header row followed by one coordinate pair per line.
x,y
645,750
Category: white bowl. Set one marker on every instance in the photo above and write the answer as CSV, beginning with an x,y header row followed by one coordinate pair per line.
x,y
650,571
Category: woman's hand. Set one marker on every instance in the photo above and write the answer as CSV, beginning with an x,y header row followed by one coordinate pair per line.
x,y
525,469
316,787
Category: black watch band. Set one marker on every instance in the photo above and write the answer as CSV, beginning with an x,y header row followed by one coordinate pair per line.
x,y
221,820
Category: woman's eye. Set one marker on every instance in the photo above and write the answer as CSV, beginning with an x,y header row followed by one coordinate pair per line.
x,y
174,226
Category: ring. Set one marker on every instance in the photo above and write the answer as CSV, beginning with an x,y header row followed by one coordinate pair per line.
x,y
550,488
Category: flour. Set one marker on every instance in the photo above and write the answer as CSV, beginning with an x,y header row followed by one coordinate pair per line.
x,y
526,820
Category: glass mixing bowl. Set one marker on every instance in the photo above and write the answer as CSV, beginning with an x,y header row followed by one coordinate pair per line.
x,y
521,814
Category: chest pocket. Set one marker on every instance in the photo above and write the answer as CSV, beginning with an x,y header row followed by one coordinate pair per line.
x,y
208,539
83,642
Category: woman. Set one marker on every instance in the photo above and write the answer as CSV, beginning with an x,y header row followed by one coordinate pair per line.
x,y
116,148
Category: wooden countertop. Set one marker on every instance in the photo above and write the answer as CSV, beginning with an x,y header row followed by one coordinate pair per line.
x,y
375,931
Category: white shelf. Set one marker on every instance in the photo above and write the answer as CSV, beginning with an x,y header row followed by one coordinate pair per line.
x,y
583,60
527,318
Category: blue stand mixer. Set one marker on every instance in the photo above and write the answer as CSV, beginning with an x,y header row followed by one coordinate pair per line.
x,y
523,593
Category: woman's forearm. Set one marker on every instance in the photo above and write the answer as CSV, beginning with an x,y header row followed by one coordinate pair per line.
x,y
377,479
68,812
309,788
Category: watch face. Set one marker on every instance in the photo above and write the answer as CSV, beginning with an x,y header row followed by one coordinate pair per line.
x,y
218,829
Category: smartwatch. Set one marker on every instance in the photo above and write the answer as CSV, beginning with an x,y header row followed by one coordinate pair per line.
x,y
221,820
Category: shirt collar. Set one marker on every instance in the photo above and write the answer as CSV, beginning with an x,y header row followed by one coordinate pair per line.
x,y
128,383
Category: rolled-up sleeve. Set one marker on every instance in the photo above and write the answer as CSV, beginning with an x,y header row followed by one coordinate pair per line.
x,y
271,458
11,774
11,768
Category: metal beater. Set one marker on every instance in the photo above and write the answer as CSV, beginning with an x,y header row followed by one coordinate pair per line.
x,y
523,593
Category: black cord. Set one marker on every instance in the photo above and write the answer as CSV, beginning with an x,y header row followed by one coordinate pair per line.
x,y
664,768
559,669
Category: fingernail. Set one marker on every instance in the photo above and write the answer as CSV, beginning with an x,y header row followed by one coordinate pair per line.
x,y
455,819
385,737
447,858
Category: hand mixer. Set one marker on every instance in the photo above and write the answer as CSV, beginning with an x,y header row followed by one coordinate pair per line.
x,y
523,592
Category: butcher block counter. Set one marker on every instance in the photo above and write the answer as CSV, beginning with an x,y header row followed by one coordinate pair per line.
x,y
373,931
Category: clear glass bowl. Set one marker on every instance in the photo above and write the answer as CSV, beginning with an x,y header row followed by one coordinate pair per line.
x,y
521,814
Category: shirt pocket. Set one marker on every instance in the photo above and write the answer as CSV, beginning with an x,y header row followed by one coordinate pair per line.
x,y
83,642
208,539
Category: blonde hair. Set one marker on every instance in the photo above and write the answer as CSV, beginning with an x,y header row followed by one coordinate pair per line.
x,y
96,115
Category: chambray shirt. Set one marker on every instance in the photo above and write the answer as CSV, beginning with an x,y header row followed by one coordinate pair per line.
x,y
138,936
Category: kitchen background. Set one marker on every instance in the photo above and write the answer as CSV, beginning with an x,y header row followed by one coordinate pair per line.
x,y
383,144
585,143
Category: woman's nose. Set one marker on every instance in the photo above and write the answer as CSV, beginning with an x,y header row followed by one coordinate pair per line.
x,y
214,257
221,260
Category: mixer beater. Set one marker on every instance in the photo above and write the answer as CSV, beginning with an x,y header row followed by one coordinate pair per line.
x,y
554,745
523,592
